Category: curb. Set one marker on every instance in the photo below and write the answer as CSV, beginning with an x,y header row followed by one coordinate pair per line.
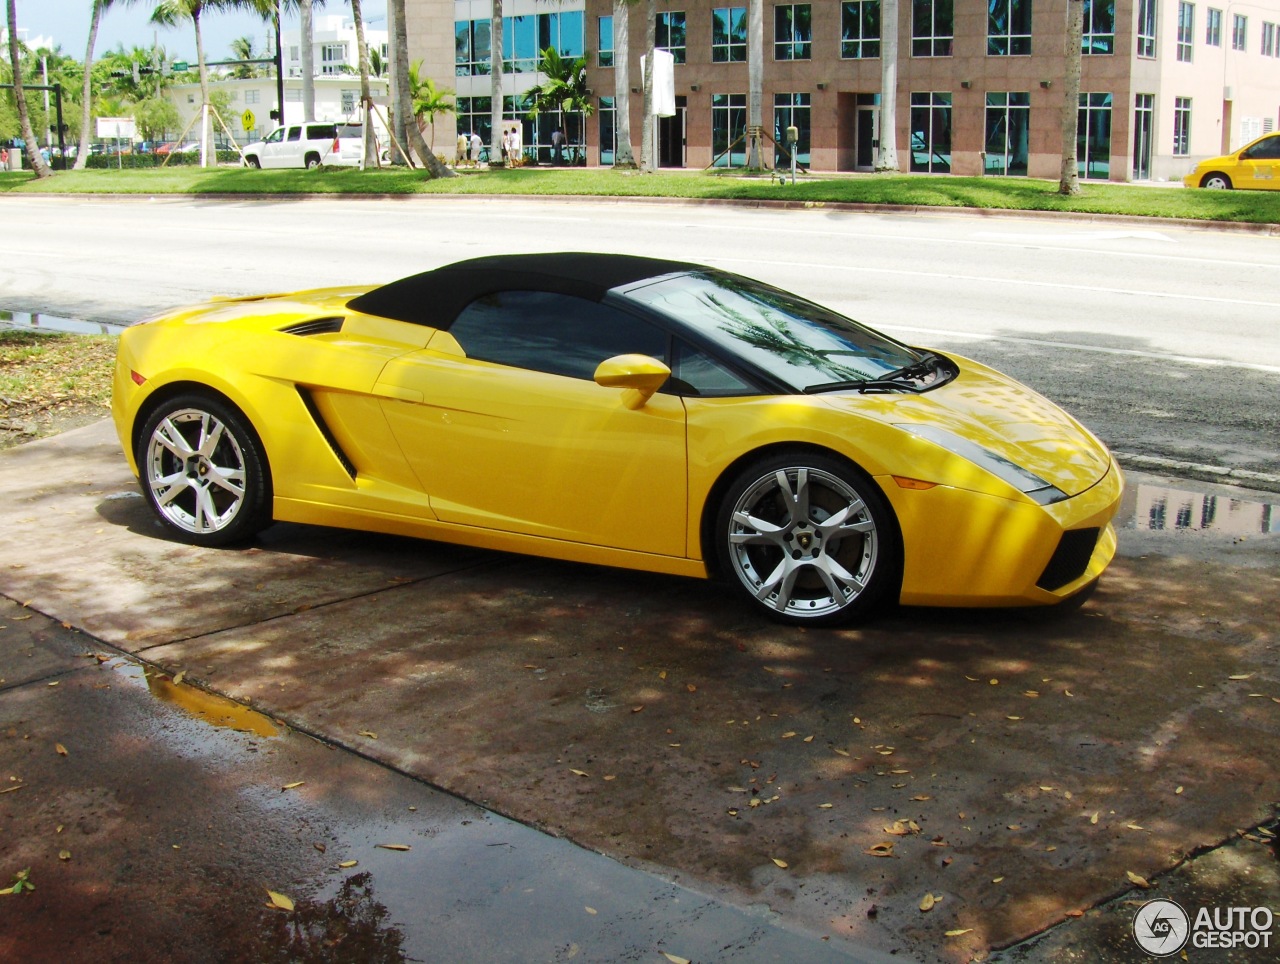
x,y
1245,478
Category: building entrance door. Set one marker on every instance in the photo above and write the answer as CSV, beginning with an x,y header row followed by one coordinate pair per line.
x,y
866,139
671,136
1143,113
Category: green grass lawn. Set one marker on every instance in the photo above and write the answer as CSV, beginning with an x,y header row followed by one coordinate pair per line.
x,y
1021,194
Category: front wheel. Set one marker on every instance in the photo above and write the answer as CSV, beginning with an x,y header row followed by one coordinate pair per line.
x,y
204,471
1216,182
809,539
253,162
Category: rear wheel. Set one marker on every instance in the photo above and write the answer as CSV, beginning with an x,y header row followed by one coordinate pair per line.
x,y
204,472
1216,182
313,161
808,538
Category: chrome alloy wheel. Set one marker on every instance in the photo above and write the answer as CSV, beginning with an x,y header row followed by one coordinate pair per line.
x,y
803,542
195,471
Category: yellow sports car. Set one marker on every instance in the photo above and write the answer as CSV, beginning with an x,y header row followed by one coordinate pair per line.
x,y
1256,165
623,411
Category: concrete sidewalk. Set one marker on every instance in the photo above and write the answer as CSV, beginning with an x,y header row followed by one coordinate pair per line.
x,y
1016,767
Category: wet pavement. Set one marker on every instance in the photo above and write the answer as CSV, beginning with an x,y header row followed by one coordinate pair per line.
x,y
620,737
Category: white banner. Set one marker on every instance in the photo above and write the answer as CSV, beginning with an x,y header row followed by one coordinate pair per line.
x,y
664,83
117,128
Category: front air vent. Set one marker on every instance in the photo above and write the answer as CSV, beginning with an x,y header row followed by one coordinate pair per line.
x,y
1070,559
312,410
315,326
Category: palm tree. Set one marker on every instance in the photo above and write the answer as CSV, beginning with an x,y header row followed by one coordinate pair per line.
x,y
377,66
24,118
366,96
623,157
647,160
495,85
402,97
429,101
887,157
170,13
242,49
307,25
755,83
565,90
1069,182
86,91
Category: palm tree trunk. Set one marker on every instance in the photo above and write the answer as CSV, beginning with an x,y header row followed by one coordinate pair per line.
x,y
755,83
308,60
623,156
86,91
366,95
887,156
404,100
646,125
495,86
24,117
1070,181
206,123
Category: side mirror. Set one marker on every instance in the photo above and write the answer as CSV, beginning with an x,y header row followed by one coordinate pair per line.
x,y
639,375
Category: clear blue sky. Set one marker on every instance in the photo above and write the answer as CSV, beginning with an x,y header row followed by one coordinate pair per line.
x,y
67,23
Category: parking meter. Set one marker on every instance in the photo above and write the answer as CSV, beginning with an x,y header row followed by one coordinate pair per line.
x,y
793,138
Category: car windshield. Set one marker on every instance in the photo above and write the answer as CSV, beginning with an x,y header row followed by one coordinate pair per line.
x,y
802,344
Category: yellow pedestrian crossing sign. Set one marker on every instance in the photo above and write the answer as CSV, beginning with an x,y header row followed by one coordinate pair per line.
x,y
248,120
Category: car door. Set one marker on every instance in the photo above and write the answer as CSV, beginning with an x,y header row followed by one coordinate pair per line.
x,y
505,428
285,151
271,147
1260,164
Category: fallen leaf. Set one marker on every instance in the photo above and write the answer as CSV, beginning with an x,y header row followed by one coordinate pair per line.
x,y
1048,789
971,679
54,683
780,863
1075,912
1015,826
825,806
610,776
393,846
662,675
1139,881
1179,790
1050,850
1094,817
996,880
346,864
1068,693
591,910
691,688
840,751
62,750
1240,676
180,677
11,789
1013,717
369,733
291,786
637,709
994,682
279,900
921,797
927,902
1134,826
581,773
674,959
960,932
64,854
880,850
808,739
789,734
1031,693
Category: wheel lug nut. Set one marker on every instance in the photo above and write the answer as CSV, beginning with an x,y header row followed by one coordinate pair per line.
x,y
796,554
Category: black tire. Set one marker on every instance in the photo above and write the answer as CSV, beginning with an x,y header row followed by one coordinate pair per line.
x,y
777,543
1216,181
252,162
203,471
313,161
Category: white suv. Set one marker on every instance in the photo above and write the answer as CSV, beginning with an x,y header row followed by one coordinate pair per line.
x,y
307,145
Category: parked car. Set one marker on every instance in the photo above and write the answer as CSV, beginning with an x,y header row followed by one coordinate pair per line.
x,y
624,411
1256,165
306,145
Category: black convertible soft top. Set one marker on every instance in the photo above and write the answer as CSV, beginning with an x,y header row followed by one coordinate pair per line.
x,y
436,297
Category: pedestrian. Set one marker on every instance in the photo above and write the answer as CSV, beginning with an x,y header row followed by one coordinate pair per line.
x,y
460,154
557,147
475,149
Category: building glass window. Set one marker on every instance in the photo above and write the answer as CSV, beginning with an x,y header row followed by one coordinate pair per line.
x,y
792,31
523,40
333,58
1213,28
471,47
1008,27
671,34
791,110
860,29
1269,45
931,132
1186,27
1008,132
1093,136
474,114
1181,126
1099,27
728,130
1143,126
1239,32
604,42
932,28
729,35
1147,28
252,96
607,115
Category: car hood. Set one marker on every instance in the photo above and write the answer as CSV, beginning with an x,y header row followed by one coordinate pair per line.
x,y
1003,416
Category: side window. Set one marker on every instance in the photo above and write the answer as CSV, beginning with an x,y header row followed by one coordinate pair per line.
x,y
1270,148
295,133
547,332
694,372
276,136
321,132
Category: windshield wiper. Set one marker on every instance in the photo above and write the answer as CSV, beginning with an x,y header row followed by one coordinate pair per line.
x,y
900,379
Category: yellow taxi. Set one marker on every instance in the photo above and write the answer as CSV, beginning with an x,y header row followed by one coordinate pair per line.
x,y
1256,165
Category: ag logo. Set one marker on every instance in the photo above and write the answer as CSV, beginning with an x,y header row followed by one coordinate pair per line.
x,y
1161,927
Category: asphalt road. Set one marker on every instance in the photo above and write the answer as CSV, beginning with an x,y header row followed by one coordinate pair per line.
x,y
1160,338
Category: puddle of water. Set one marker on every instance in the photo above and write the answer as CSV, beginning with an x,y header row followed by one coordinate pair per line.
x,y
1154,508
36,321
209,707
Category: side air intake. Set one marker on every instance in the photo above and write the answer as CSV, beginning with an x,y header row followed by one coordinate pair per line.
x,y
315,326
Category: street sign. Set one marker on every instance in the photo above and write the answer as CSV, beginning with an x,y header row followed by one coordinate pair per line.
x,y
180,65
120,128
248,120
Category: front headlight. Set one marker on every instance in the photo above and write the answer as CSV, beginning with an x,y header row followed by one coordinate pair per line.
x,y
1025,481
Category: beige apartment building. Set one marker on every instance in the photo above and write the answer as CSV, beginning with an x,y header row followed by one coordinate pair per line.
x,y
1164,82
